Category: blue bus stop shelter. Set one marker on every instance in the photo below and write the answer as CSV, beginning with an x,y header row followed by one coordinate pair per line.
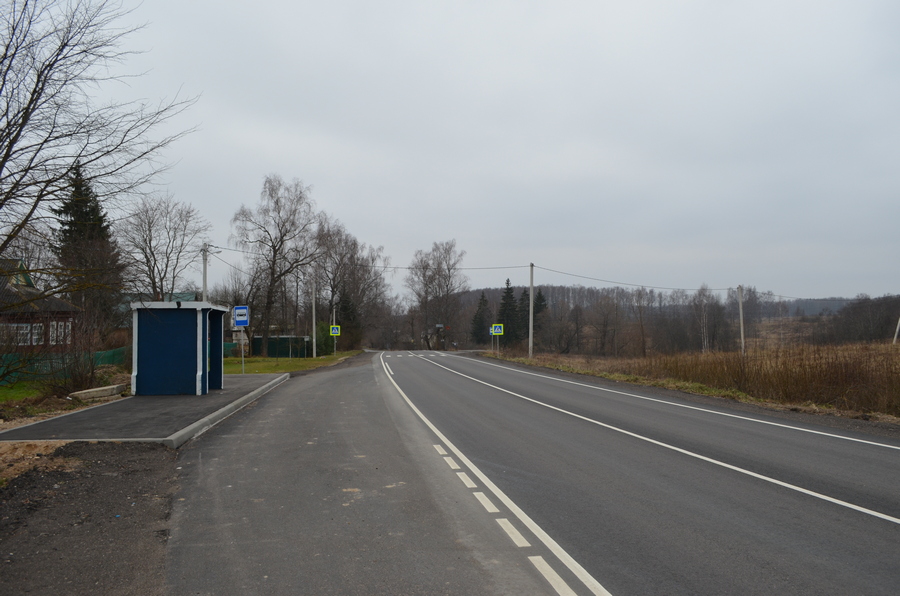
x,y
177,348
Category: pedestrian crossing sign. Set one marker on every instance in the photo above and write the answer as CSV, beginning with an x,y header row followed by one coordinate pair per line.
x,y
497,329
335,330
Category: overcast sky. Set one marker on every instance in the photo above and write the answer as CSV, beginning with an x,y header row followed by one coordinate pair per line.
x,y
658,143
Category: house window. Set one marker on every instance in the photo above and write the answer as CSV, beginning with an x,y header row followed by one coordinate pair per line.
x,y
64,332
23,334
52,333
37,334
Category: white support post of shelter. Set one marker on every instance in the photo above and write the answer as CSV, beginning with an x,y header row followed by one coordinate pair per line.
x,y
134,351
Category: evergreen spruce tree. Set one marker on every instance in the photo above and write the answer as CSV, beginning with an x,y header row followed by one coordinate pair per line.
x,y
81,219
540,305
480,324
90,268
509,316
522,311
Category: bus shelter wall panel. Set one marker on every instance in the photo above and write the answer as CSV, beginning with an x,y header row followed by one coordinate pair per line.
x,y
167,341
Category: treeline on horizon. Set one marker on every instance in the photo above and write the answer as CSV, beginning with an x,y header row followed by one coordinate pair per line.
x,y
627,322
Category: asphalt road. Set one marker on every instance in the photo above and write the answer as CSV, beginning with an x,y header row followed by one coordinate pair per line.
x,y
329,484
428,473
665,496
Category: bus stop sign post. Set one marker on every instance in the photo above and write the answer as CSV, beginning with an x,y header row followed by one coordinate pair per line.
x,y
240,317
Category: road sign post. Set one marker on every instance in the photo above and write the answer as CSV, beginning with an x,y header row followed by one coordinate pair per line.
x,y
496,329
335,333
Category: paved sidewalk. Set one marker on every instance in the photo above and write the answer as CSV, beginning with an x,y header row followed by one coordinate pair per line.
x,y
168,419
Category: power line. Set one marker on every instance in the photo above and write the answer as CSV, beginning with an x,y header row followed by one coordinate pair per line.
x,y
621,283
218,258
246,252
500,268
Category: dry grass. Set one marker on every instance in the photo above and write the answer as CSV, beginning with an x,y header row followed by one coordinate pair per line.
x,y
19,457
861,378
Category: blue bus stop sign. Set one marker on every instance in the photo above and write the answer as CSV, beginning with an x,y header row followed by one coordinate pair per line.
x,y
240,316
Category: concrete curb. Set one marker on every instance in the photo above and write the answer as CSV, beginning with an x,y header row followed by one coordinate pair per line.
x,y
98,392
196,429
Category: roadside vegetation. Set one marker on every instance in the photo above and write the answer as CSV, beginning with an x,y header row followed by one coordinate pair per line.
x,y
47,395
28,399
860,380
258,365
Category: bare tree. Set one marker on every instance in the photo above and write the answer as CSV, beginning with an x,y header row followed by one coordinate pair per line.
x,y
54,55
282,233
436,279
353,272
163,239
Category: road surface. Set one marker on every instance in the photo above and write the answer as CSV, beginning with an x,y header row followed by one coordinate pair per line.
x,y
435,473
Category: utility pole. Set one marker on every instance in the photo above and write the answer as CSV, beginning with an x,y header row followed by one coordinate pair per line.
x,y
741,314
314,312
205,251
531,315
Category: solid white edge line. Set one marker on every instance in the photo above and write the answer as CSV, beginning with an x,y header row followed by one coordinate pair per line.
x,y
486,503
677,405
793,487
580,572
513,533
561,587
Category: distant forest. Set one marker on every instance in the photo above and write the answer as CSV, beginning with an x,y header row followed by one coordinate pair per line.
x,y
636,322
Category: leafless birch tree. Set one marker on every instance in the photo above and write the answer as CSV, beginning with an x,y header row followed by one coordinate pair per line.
x,y
163,239
281,233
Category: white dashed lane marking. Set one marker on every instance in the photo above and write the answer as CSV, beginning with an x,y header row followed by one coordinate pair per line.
x,y
466,480
490,507
513,533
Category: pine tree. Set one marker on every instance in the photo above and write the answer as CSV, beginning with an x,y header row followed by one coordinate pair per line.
x,y
480,324
509,316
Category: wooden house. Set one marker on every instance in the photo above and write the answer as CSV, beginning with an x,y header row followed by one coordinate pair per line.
x,y
30,320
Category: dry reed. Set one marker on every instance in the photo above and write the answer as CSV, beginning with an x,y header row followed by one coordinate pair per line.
x,y
860,377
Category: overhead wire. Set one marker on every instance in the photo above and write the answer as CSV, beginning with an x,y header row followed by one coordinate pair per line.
x,y
509,267
622,283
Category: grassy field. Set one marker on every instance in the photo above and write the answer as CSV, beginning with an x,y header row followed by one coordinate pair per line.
x,y
18,392
861,378
257,365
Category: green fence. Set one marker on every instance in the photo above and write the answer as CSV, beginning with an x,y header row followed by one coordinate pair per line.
x,y
113,357
15,367
283,346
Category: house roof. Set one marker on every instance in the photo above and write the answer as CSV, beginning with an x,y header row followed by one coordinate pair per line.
x,y
16,272
18,293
